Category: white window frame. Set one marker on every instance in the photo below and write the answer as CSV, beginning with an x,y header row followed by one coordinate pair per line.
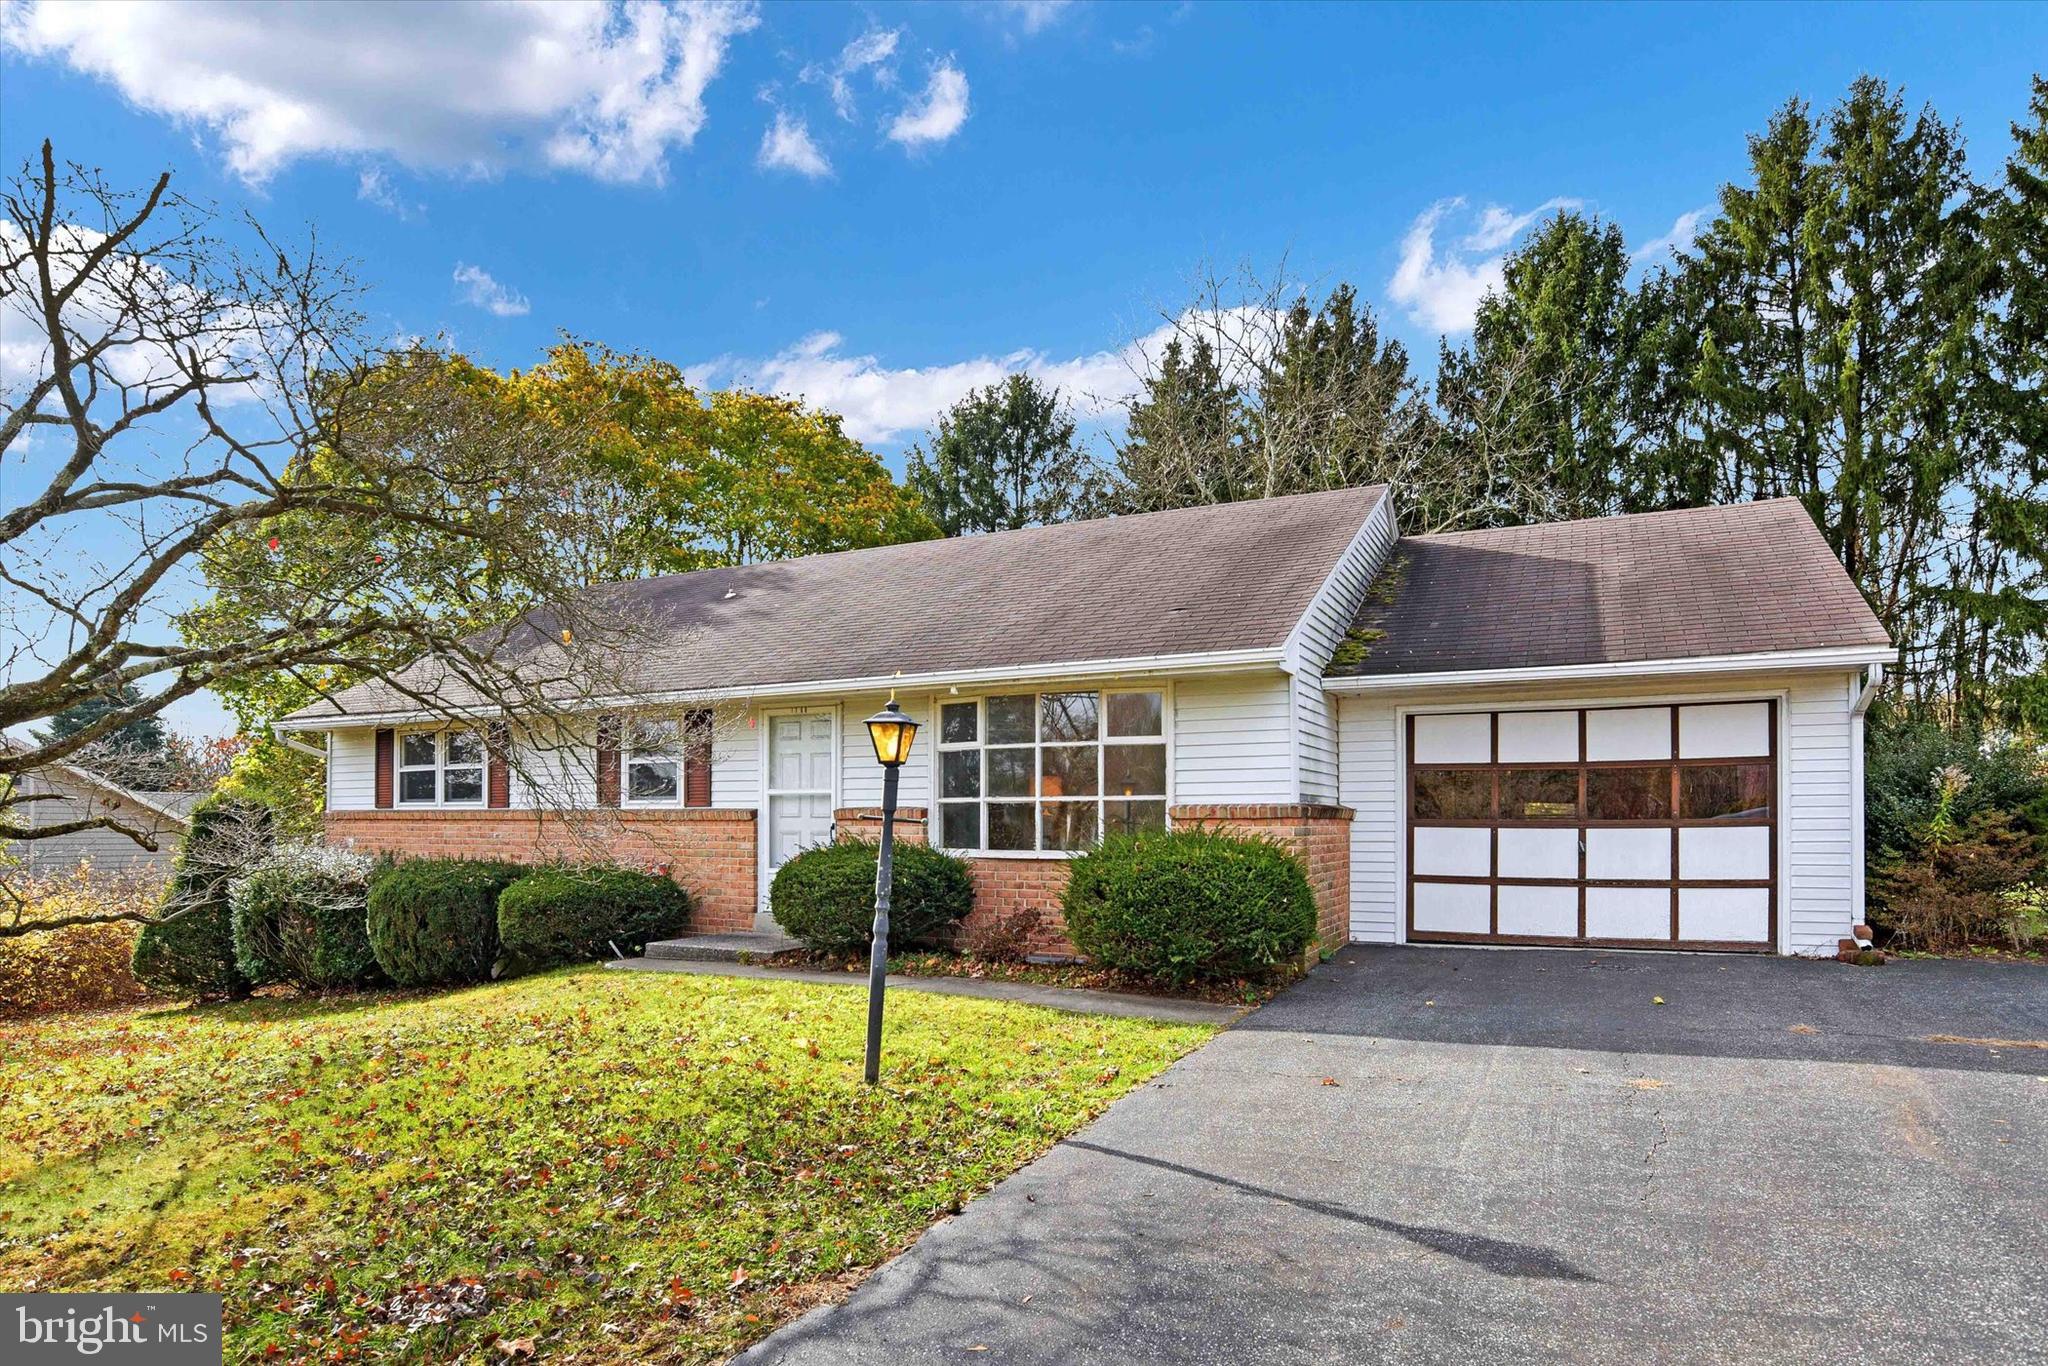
x,y
629,755
936,823
439,768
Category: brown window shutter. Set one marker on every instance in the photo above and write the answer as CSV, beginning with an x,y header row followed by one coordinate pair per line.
x,y
498,770
385,762
609,730
697,759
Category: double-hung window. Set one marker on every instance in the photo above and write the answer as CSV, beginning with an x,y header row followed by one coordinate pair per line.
x,y
654,761
441,768
1052,771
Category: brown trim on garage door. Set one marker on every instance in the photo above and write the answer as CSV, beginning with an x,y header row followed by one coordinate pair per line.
x,y
1674,820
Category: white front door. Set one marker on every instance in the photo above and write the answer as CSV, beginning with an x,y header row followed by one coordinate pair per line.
x,y
800,791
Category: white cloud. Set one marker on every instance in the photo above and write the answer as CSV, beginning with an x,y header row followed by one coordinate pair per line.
x,y
883,403
939,114
1685,229
480,289
1035,16
872,52
787,145
374,186
1442,287
585,85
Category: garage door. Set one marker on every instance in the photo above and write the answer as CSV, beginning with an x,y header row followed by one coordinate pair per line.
x,y
1635,827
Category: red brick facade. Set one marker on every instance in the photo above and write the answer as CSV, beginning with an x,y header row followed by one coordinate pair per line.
x,y
713,853
709,851
1004,887
1319,835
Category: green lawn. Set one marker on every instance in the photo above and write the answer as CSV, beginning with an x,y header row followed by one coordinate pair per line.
x,y
612,1165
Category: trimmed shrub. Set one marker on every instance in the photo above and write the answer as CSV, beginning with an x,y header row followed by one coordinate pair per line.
x,y
825,896
572,915
435,921
299,917
80,966
1189,904
190,949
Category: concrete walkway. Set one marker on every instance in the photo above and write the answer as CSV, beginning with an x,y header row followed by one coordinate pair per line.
x,y
1085,1002
1444,1155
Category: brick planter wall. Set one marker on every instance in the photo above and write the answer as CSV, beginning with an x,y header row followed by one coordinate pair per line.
x,y
1003,887
1319,835
707,850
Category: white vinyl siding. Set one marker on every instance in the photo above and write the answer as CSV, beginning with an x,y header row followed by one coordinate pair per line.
x,y
108,851
352,769
1371,786
735,761
1230,740
1818,818
860,777
1821,826
1315,638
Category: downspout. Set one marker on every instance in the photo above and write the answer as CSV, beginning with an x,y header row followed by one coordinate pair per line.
x,y
1873,677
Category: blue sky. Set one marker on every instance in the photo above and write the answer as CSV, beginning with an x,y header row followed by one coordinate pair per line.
x,y
878,205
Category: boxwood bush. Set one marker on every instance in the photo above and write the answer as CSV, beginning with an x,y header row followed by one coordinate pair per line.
x,y
434,921
825,896
572,915
1189,904
299,917
191,952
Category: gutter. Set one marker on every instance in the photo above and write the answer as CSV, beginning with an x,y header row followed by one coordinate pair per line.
x,y
1140,666
1830,658
292,742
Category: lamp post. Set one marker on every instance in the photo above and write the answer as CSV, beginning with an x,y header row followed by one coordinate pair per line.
x,y
892,733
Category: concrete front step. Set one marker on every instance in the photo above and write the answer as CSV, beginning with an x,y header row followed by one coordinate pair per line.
x,y
722,948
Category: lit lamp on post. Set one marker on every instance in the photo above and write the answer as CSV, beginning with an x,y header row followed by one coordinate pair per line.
x,y
892,733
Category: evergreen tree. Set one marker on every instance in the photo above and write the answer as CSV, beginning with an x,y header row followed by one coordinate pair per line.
x,y
1182,435
1539,399
1003,457
137,754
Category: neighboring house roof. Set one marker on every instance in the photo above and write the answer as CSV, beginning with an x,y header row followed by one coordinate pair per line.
x,y
1191,582
171,806
1751,578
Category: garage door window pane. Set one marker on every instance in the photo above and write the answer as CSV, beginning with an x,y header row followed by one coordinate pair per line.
x,y
1539,794
1628,794
1453,794
1725,792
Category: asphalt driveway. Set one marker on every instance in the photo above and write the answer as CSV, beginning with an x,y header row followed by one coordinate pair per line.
x,y
1468,1155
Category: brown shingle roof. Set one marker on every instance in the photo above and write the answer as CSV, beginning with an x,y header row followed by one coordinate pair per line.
x,y
1743,579
1192,581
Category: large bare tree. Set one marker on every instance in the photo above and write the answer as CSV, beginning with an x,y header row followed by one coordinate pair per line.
x,y
208,473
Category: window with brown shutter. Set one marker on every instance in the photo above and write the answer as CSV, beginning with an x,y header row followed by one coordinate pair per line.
x,y
385,745
498,751
697,759
608,734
